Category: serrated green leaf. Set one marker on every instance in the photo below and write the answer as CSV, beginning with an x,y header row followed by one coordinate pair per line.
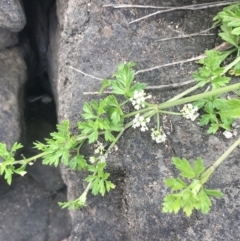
x,y
91,168
213,192
95,186
188,208
108,136
93,136
8,175
90,178
231,109
236,31
228,36
220,81
198,167
20,171
175,183
88,112
200,103
16,146
204,120
78,162
101,187
204,202
137,86
106,83
109,185
184,166
65,157
213,129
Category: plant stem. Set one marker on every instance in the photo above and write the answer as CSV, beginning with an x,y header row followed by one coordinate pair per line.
x,y
231,65
124,102
170,112
27,160
138,112
158,121
177,97
205,176
199,96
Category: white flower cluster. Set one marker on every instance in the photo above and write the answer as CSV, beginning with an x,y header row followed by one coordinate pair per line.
x,y
190,112
100,152
140,121
138,99
100,148
158,135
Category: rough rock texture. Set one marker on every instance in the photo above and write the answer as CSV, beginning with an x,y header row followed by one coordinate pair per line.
x,y
12,16
95,40
29,207
7,39
12,78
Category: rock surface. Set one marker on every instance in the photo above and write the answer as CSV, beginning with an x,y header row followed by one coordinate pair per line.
x,y
95,40
7,39
12,16
13,75
29,207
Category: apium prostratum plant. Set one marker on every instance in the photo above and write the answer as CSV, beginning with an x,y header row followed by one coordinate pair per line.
x,y
107,119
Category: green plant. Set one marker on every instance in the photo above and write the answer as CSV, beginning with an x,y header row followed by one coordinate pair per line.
x,y
229,21
105,120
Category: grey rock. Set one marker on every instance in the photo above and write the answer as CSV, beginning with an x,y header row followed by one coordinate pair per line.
x,y
12,78
95,40
31,208
12,16
7,39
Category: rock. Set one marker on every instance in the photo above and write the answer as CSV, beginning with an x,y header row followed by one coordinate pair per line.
x,y
95,40
7,39
12,78
12,16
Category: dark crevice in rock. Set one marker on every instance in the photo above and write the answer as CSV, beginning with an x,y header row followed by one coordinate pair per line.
x,y
40,114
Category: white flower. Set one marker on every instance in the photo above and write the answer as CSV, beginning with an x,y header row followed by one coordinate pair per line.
x,y
140,121
190,112
102,158
100,148
92,159
138,99
158,135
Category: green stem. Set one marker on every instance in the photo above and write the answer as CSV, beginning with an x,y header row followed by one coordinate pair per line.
x,y
85,137
177,97
124,102
138,112
79,147
170,112
27,160
158,121
199,96
229,66
205,176
85,192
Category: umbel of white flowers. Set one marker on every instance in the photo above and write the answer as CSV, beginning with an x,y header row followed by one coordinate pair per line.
x,y
190,112
138,99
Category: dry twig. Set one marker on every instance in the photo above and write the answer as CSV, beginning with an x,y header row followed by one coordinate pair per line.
x,y
170,64
93,77
153,87
168,9
203,32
